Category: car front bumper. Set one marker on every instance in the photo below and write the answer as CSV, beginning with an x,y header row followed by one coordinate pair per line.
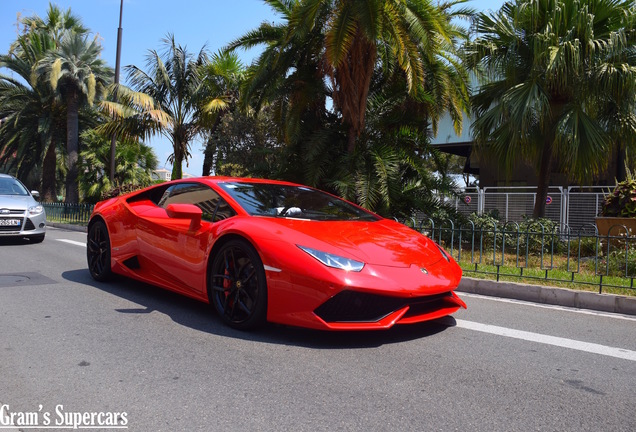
x,y
21,224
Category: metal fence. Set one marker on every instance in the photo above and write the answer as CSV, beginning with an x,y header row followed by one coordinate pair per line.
x,y
574,207
532,250
68,213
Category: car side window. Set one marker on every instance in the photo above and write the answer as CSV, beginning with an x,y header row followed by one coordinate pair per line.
x,y
214,207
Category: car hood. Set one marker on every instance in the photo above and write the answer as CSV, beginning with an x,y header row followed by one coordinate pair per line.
x,y
16,202
382,242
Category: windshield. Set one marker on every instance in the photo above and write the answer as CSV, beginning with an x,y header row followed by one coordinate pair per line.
x,y
266,199
10,186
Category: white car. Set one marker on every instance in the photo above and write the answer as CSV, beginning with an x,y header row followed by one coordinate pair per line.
x,y
20,214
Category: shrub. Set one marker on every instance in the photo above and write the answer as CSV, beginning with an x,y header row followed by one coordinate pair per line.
x,y
622,201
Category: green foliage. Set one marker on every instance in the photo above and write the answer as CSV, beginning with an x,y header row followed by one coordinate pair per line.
x,y
586,246
559,79
246,146
78,74
620,263
50,58
622,201
222,76
355,109
134,164
528,236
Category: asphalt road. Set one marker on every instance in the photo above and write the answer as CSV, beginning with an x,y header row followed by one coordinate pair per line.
x,y
149,360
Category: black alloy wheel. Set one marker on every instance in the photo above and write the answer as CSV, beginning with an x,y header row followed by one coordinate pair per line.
x,y
98,252
237,286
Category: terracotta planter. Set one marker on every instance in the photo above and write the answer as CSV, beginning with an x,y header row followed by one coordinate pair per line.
x,y
615,226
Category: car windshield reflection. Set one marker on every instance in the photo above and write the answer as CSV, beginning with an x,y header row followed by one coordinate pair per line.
x,y
299,202
9,186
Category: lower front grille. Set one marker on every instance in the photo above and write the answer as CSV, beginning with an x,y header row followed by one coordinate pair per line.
x,y
353,306
28,226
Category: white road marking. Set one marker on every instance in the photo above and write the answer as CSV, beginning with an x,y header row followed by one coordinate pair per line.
x,y
73,242
546,306
549,340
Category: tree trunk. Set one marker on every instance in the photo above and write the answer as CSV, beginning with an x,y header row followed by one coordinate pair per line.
x,y
72,146
48,189
351,140
210,149
177,162
621,151
208,158
545,171
353,79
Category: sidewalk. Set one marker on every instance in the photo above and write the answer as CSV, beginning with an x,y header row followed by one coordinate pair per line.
x,y
69,227
550,295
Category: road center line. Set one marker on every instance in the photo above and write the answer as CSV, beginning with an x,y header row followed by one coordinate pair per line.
x,y
73,242
549,340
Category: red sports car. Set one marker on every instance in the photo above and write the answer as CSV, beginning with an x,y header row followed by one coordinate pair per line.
x,y
264,250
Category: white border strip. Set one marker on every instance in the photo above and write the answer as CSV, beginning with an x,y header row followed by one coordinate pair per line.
x,y
549,340
73,242
272,269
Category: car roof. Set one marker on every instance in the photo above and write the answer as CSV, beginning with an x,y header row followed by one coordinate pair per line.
x,y
224,179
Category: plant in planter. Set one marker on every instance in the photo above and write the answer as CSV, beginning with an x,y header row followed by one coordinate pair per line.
x,y
622,201
619,208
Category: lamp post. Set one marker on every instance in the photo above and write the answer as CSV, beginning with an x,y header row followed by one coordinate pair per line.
x,y
114,138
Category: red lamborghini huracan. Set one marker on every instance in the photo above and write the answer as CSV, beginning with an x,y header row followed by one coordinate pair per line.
x,y
263,250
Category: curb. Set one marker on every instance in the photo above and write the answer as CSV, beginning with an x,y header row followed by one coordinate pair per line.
x,y
550,295
70,227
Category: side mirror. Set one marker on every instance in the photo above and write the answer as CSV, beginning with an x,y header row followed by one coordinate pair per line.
x,y
186,211
36,195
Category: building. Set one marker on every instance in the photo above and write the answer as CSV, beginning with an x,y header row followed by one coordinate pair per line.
x,y
488,171
166,175
161,174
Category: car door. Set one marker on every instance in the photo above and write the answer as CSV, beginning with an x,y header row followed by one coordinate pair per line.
x,y
175,251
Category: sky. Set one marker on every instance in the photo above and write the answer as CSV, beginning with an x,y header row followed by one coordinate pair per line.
x,y
194,23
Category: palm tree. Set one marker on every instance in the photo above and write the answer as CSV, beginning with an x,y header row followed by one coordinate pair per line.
x,y
288,81
56,23
389,171
33,126
549,65
293,77
289,75
221,78
30,115
359,35
167,99
78,74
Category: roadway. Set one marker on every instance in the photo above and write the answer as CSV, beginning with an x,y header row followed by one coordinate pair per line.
x,y
167,363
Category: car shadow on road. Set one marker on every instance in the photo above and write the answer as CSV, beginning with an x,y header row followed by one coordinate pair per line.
x,y
14,241
201,317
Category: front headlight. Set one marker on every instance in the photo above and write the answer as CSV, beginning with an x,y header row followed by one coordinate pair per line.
x,y
334,261
35,210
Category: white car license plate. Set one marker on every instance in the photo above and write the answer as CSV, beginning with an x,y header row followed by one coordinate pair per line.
x,y
10,222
